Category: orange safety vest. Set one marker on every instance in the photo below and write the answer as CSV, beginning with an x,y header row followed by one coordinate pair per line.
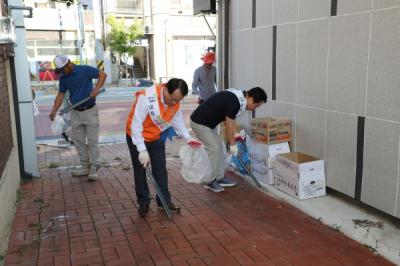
x,y
151,132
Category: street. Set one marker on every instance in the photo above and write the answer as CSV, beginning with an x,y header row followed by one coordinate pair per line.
x,y
114,106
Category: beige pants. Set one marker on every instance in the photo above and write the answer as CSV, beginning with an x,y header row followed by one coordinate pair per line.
x,y
213,146
85,126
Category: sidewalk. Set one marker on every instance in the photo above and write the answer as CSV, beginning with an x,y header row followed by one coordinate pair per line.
x,y
68,221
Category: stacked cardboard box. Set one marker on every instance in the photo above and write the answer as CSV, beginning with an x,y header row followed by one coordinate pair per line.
x,y
270,130
262,157
300,175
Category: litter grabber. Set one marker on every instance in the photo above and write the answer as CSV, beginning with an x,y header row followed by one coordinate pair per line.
x,y
159,193
69,108
248,171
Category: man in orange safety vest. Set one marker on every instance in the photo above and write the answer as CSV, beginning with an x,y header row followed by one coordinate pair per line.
x,y
155,116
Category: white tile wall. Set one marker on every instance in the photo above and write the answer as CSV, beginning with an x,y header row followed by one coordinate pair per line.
x,y
310,131
341,149
285,11
386,3
245,8
348,59
312,63
233,15
381,164
240,55
329,71
353,6
383,93
264,13
286,62
310,9
262,63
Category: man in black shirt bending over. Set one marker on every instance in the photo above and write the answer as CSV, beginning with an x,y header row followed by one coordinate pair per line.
x,y
222,106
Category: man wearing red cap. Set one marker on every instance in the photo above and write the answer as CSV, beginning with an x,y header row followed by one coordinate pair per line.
x,y
204,78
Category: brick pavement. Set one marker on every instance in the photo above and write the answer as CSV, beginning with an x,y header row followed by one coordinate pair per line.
x,y
62,220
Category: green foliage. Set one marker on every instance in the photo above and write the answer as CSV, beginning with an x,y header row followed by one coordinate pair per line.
x,y
123,39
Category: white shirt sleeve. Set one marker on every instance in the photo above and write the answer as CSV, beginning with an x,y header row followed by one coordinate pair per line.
x,y
179,124
141,112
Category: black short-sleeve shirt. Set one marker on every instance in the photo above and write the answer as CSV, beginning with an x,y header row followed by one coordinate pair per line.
x,y
214,110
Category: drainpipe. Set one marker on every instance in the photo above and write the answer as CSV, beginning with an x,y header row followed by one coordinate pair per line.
x,y
22,171
22,94
226,4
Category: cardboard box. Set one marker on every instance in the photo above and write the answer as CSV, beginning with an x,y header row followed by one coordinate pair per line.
x,y
261,153
300,175
270,130
262,173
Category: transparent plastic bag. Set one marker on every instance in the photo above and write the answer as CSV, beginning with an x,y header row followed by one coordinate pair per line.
x,y
196,167
57,125
35,109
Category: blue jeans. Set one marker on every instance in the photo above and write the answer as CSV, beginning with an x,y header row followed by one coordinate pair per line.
x,y
156,150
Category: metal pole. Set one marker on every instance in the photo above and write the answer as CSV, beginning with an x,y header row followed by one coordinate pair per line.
x,y
209,27
81,33
159,193
249,172
148,59
69,108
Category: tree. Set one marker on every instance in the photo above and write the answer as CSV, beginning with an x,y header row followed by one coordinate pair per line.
x,y
123,39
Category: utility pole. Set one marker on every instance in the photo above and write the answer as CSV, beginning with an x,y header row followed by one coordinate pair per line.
x,y
81,35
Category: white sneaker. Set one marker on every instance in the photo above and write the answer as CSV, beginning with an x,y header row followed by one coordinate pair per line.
x,y
93,172
85,170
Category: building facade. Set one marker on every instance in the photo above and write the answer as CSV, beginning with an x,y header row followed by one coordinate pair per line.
x,y
9,154
332,67
58,28
173,43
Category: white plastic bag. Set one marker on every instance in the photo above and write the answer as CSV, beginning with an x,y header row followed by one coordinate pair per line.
x,y
57,125
196,167
35,109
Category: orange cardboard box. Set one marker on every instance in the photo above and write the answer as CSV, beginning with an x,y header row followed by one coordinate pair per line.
x,y
270,130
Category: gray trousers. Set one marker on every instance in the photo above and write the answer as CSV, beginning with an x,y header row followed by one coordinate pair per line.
x,y
213,145
85,126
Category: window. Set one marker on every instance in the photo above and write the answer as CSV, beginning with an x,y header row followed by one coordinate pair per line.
x,y
134,5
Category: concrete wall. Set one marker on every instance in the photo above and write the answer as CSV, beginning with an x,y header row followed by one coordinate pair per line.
x,y
10,177
335,71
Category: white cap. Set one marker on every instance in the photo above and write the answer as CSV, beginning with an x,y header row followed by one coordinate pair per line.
x,y
60,60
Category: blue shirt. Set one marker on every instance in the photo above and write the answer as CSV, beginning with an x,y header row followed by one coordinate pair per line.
x,y
79,84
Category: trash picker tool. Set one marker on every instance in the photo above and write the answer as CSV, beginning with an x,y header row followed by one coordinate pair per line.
x,y
249,172
69,108
159,193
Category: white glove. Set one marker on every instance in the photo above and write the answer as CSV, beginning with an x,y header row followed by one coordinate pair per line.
x,y
144,158
233,150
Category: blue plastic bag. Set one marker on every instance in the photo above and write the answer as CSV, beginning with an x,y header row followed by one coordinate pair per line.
x,y
244,155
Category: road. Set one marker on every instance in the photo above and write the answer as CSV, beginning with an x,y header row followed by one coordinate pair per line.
x,y
113,112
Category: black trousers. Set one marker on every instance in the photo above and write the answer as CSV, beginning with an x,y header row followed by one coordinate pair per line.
x,y
156,150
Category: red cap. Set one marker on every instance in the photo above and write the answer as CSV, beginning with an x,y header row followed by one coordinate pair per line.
x,y
208,58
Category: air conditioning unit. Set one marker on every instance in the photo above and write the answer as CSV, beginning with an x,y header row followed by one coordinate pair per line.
x,y
204,7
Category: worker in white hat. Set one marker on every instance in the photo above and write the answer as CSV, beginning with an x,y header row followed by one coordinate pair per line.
x,y
77,80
